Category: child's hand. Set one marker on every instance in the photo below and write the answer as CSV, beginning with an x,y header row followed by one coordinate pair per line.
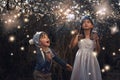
x,y
95,37
48,56
69,67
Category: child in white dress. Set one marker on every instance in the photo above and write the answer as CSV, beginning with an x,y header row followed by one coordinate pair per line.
x,y
86,66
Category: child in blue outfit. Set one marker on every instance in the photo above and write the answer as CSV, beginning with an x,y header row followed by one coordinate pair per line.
x,y
45,55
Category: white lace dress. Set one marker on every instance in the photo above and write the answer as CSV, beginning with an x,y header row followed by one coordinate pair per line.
x,y
86,66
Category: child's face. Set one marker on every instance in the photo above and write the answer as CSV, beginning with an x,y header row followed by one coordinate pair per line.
x,y
44,40
87,24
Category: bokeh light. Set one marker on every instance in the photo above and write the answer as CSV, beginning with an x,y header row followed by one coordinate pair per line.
x,y
26,20
103,70
11,54
22,48
103,48
113,53
18,26
11,38
107,67
94,53
59,18
34,51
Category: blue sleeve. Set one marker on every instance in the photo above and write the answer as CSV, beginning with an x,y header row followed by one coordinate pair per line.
x,y
40,61
58,60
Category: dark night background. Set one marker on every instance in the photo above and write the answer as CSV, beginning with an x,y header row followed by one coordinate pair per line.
x,y
17,57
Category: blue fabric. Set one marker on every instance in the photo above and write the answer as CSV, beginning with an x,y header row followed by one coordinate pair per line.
x,y
44,65
36,38
86,18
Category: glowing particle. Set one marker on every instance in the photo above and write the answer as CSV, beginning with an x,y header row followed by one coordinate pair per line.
x,y
11,38
26,20
94,53
114,53
11,54
27,36
103,70
103,48
18,27
34,51
107,67
22,48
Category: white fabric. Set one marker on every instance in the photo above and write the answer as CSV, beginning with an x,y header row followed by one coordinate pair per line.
x,y
86,66
49,50
42,53
36,38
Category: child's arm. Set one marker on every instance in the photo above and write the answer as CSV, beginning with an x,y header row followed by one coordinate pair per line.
x,y
74,40
97,45
62,62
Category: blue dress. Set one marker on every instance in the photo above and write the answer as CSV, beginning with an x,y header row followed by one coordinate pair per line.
x,y
86,66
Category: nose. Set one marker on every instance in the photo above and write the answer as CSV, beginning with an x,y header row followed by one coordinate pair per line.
x,y
85,24
48,39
